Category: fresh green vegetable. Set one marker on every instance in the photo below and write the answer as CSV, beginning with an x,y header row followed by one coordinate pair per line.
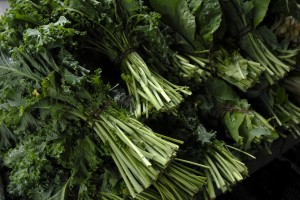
x,y
178,182
196,21
61,92
291,84
284,112
131,144
244,18
245,126
224,169
112,36
96,101
237,70
193,63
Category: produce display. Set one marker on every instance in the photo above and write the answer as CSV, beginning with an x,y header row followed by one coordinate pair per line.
x,y
147,100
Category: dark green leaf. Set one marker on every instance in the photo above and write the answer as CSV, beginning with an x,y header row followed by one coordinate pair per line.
x,y
220,89
208,20
247,7
61,193
109,179
195,5
7,139
281,96
269,37
233,121
260,11
177,14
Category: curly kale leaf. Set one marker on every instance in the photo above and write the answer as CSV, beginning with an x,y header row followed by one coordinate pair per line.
x,y
49,166
192,124
48,36
27,14
8,36
29,166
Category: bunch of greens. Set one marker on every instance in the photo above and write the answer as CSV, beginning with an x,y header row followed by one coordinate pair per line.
x,y
230,66
65,99
67,119
284,112
223,168
286,24
245,126
199,23
112,33
67,132
188,27
53,154
179,182
236,70
191,67
291,84
258,42
157,46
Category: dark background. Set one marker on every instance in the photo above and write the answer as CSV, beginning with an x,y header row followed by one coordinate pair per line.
x,y
277,180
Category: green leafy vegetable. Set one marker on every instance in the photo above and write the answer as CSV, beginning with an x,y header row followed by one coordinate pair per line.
x,y
260,11
96,101
178,15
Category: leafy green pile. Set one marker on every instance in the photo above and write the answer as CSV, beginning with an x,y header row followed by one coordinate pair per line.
x,y
245,126
113,99
258,41
284,112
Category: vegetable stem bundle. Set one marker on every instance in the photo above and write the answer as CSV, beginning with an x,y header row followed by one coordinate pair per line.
x,y
237,70
252,41
137,145
176,182
191,68
66,133
113,38
139,154
224,169
285,112
149,88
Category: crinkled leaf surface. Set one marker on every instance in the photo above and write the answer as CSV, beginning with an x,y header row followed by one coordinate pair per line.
x,y
220,90
208,20
177,14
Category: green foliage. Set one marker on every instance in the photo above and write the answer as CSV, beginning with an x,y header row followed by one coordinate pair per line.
x,y
50,36
7,139
260,11
208,19
177,14
244,125
63,134
196,21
